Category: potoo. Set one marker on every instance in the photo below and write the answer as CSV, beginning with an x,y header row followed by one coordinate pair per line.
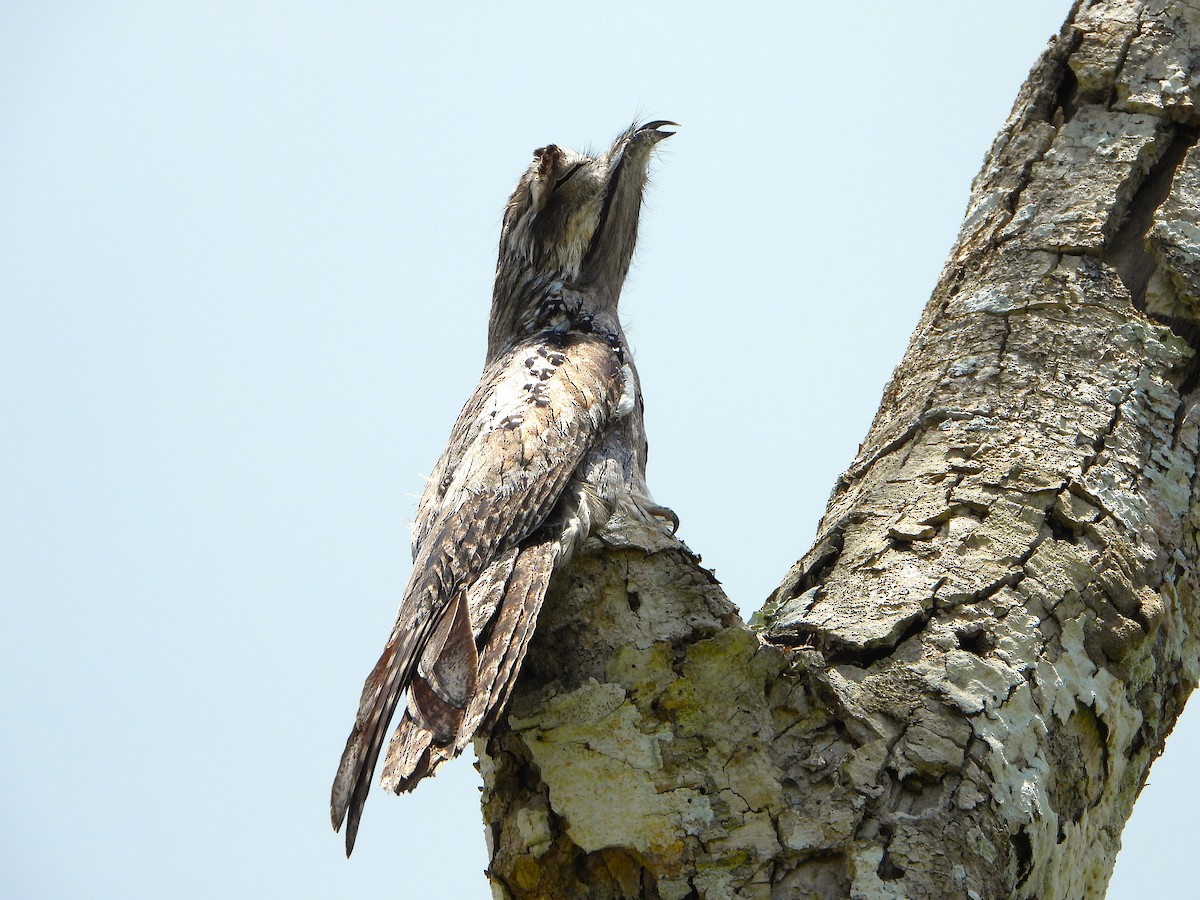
x,y
546,451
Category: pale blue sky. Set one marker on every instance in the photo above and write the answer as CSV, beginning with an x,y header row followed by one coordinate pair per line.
x,y
245,255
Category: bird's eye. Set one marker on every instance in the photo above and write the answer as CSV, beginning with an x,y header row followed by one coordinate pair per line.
x,y
575,168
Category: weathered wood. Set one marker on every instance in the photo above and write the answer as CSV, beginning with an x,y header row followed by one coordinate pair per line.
x,y
959,690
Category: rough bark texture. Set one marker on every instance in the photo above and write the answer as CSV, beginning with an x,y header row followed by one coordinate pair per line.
x,y
959,690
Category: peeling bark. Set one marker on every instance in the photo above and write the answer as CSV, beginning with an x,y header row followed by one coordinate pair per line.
x,y
960,688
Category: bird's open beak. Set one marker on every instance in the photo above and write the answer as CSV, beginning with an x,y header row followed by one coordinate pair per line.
x,y
652,129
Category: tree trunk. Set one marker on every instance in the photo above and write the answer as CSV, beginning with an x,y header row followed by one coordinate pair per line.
x,y
959,690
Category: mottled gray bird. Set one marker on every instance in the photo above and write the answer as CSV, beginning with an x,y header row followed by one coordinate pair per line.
x,y
549,447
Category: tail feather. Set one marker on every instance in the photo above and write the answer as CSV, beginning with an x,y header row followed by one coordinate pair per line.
x,y
381,693
515,595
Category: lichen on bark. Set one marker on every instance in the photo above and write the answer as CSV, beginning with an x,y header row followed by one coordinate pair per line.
x,y
958,691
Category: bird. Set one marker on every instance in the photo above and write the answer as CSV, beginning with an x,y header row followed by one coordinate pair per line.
x,y
549,449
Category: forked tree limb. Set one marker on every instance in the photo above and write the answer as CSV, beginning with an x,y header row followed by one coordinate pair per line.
x,y
960,688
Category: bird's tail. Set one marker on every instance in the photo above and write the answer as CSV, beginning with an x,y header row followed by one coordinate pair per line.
x,y
437,664
504,608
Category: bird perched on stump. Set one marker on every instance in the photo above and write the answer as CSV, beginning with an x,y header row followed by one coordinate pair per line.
x,y
549,447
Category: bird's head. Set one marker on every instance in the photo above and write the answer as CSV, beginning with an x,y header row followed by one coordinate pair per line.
x,y
573,218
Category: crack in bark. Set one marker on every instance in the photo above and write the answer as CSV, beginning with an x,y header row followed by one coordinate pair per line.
x,y
1048,97
865,657
1126,251
1000,353
925,419
1099,444
1122,56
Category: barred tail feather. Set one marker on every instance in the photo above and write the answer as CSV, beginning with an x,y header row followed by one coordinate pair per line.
x,y
380,696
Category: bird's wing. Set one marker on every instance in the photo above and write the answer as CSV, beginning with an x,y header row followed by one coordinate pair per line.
x,y
553,394
537,410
